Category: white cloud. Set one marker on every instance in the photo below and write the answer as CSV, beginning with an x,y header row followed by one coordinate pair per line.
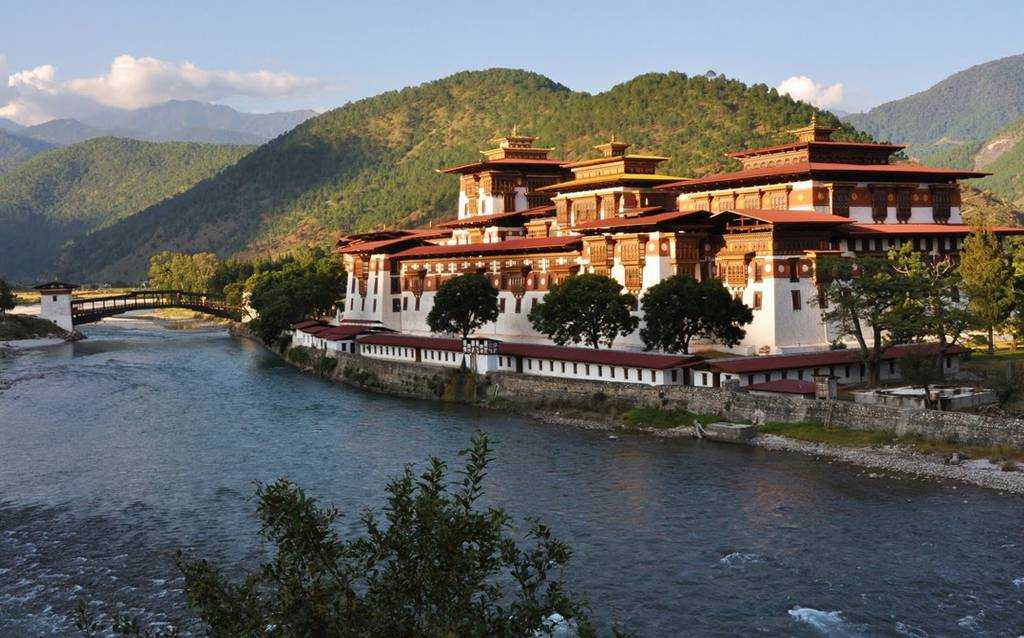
x,y
803,88
36,95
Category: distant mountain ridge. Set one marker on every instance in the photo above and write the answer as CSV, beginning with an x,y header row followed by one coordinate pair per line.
x,y
173,121
970,105
62,195
374,161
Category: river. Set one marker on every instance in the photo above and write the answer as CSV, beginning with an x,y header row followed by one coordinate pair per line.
x,y
117,450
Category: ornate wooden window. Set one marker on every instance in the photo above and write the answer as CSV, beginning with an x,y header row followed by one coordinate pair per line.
x,y
757,300
841,201
941,205
634,278
879,205
903,205
779,200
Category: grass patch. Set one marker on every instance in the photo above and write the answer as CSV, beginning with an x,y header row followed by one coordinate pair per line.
x,y
665,419
817,433
13,327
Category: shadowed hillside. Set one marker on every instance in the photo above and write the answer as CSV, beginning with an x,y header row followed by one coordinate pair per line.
x,y
65,193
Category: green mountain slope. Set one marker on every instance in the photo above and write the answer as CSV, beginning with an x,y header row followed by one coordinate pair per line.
x,y
967,106
65,193
1003,156
17,149
373,162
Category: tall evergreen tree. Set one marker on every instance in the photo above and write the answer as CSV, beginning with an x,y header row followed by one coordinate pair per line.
x,y
987,281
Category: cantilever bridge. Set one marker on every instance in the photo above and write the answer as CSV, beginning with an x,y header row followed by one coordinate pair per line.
x,y
90,309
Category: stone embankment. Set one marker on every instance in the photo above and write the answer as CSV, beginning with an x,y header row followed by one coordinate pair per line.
x,y
600,405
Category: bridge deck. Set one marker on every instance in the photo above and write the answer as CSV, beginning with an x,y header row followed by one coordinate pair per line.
x,y
88,310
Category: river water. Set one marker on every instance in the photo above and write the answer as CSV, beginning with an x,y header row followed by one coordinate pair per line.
x,y
117,450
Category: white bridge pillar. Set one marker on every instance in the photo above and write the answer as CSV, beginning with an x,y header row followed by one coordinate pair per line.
x,y
55,303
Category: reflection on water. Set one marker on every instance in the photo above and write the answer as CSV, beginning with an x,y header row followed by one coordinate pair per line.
x,y
117,450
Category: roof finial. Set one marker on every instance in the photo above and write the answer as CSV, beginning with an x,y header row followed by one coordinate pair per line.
x,y
814,119
515,130
613,138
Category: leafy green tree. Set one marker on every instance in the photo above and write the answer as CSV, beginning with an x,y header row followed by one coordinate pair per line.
x,y
463,304
929,306
586,308
180,271
987,281
7,301
439,563
680,308
299,290
860,295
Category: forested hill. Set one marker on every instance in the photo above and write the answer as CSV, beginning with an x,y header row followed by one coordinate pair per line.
x,y
967,106
17,149
373,161
63,194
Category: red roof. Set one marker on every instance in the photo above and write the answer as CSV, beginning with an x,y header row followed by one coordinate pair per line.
x,y
925,229
902,171
827,143
490,220
483,165
305,323
623,358
743,365
638,221
411,341
787,216
379,246
530,244
784,386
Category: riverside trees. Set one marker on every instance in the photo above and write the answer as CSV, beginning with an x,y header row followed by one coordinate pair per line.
x,y
680,308
987,281
586,308
301,288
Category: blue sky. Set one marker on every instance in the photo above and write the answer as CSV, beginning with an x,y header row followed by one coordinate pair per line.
x,y
320,55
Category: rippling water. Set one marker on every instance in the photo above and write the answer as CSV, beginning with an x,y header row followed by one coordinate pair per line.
x,y
117,450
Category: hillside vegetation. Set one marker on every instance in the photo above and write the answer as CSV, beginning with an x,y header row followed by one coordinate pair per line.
x,y
16,149
373,162
968,106
65,193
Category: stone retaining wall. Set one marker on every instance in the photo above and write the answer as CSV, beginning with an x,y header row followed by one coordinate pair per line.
x,y
530,393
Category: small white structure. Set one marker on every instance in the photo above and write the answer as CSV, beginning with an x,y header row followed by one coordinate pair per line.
x,y
935,396
55,303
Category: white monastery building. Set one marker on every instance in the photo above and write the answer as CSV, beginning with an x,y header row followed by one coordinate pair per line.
x,y
529,221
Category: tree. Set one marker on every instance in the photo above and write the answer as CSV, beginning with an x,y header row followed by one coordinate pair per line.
x,y
680,308
299,290
587,309
463,304
7,301
987,281
438,564
929,305
859,296
181,271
